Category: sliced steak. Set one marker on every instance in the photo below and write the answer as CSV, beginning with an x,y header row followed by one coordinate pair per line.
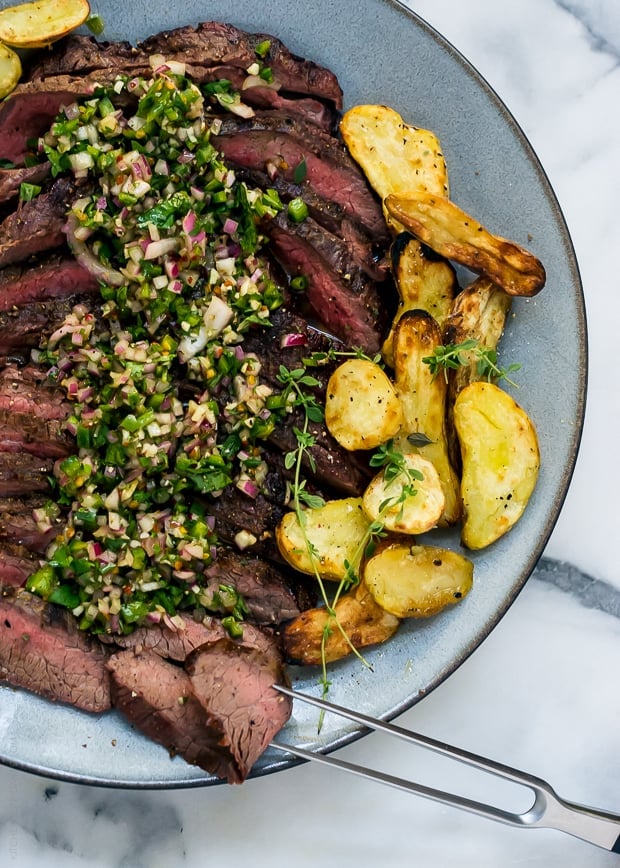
x,y
157,698
28,390
264,589
234,685
16,564
36,226
176,643
45,438
23,328
12,179
22,474
352,318
330,173
245,523
29,112
18,525
368,255
53,277
42,650
208,44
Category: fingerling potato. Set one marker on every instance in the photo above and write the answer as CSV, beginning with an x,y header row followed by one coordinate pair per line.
x,y
390,502
394,156
335,532
357,622
423,398
362,409
501,459
417,581
448,230
39,24
424,280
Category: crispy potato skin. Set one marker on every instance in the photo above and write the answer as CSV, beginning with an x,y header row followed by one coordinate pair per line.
x,y
394,156
423,397
424,281
417,581
335,531
10,70
448,230
361,620
501,460
362,409
41,23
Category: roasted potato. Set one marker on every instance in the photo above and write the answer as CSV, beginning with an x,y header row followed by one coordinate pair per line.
x,y
336,532
448,230
501,459
423,398
39,24
394,156
478,313
417,581
424,281
357,623
10,70
389,502
362,409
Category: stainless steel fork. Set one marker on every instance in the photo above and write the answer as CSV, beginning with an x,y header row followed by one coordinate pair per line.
x,y
548,810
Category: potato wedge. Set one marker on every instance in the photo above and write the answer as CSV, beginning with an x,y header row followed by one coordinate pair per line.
x,y
423,398
336,531
10,70
456,235
362,623
478,313
362,409
424,281
388,501
501,459
417,581
394,156
39,24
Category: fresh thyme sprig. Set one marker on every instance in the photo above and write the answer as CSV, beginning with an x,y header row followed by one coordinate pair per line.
x,y
322,357
452,356
386,456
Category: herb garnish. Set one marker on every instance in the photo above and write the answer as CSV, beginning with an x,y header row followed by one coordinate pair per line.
x,y
452,356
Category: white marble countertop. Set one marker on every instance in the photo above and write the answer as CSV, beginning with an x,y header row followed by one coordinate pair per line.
x,y
541,692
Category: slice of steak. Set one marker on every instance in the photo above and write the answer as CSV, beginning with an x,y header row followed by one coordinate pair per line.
x,y
329,172
234,684
12,179
53,277
19,526
174,642
22,328
167,640
264,589
246,523
22,474
45,438
312,111
28,390
42,650
211,43
158,699
29,112
36,226
208,44
352,318
16,564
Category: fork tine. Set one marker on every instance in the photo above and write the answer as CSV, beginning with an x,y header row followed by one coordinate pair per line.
x,y
547,810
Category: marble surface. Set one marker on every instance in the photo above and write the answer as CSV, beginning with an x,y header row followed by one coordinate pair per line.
x,y
540,693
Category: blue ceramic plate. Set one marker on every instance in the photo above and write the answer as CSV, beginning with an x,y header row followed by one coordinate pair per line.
x,y
382,54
